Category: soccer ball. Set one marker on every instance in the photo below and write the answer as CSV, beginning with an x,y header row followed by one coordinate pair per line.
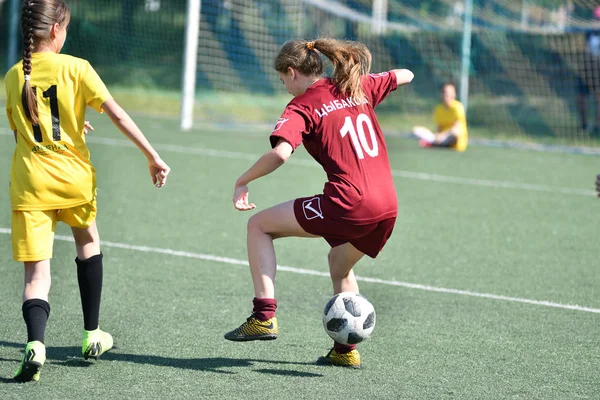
x,y
349,318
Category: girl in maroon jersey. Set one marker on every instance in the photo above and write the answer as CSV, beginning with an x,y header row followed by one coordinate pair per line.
x,y
334,119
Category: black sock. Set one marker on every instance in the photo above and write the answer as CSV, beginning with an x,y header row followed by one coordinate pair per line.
x,y
89,276
35,314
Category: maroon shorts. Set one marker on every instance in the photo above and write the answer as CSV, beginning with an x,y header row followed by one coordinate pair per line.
x,y
368,238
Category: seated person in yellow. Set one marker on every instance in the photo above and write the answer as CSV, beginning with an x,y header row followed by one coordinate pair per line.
x,y
449,116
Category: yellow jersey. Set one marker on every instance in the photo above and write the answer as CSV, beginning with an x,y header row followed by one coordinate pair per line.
x,y
51,166
445,117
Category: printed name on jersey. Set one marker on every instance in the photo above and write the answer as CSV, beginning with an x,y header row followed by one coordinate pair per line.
x,y
49,147
335,105
312,208
379,75
280,123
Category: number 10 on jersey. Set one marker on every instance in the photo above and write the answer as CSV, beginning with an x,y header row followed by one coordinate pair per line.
x,y
358,137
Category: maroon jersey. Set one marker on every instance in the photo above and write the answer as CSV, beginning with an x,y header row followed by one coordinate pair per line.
x,y
342,134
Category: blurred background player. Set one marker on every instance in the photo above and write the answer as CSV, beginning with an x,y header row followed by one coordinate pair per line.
x,y
52,178
598,184
335,120
449,116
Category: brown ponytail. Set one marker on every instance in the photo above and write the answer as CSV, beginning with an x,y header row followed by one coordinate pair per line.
x,y
37,19
350,60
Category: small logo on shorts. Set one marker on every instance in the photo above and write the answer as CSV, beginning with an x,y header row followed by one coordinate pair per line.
x,y
312,208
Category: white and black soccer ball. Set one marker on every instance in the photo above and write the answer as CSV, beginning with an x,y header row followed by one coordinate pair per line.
x,y
349,318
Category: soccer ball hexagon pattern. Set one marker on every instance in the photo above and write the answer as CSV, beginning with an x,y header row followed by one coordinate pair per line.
x,y
349,318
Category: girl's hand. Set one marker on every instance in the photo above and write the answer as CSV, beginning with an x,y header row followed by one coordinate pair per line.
x,y
87,126
158,171
240,198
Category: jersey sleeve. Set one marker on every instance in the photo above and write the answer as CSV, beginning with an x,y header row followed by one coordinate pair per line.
x,y
11,122
378,86
94,90
293,125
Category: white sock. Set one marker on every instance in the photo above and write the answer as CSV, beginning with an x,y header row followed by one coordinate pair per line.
x,y
424,133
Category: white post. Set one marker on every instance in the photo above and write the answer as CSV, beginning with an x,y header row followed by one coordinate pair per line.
x,y
379,16
524,14
466,54
190,60
13,33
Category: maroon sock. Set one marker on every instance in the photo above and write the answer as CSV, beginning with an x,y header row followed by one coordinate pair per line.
x,y
264,309
343,348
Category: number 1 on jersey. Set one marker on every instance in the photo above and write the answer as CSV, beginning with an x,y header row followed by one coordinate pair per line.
x,y
51,93
359,141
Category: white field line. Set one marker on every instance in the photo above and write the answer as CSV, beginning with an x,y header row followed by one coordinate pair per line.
x,y
310,163
492,183
303,271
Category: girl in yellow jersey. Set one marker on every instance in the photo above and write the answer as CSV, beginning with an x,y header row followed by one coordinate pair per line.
x,y
451,123
52,177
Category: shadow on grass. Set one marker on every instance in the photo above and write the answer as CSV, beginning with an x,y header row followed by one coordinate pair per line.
x,y
69,356
283,372
213,364
11,344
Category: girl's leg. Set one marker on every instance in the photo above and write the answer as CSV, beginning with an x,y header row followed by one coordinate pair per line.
x,y
35,299
272,223
89,276
87,241
341,260
445,140
424,134
37,280
32,238
89,273
35,313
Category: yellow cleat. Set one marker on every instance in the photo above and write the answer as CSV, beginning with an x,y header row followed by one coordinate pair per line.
x,y
254,329
95,343
32,363
349,360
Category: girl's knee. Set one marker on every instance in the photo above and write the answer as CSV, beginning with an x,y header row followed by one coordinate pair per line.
x,y
258,224
87,236
254,223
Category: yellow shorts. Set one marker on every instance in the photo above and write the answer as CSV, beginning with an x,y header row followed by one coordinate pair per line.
x,y
33,231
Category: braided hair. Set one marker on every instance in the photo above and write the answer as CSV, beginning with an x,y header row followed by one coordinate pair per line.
x,y
37,19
